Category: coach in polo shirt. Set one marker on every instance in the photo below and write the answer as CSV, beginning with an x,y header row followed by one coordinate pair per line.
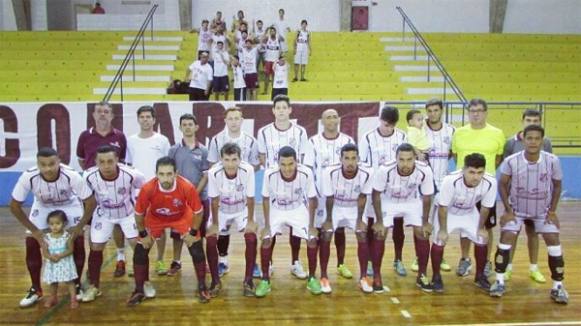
x,y
90,140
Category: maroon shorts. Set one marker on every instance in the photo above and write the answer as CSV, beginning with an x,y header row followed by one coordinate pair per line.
x,y
251,81
269,68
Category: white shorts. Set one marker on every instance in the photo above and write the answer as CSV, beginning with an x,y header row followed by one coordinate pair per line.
x,y
226,221
297,218
540,225
344,217
467,225
102,227
410,211
302,57
321,212
39,213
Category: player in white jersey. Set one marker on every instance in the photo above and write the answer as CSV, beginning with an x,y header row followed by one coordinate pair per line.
x,y
345,187
234,118
143,150
376,148
248,60
289,199
272,45
220,80
302,50
258,35
530,189
325,150
55,186
457,211
403,187
231,190
204,37
115,186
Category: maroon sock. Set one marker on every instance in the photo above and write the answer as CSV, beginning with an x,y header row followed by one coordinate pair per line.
x,y
265,258
212,255
437,255
295,244
423,254
370,236
398,237
250,255
223,243
95,263
363,255
340,245
79,256
324,254
34,262
480,252
377,257
312,257
140,266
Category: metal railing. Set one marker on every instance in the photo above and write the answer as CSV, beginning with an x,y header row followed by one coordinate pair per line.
x,y
448,80
130,56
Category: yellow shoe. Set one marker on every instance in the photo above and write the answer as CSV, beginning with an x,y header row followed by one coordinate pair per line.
x,y
508,275
537,276
344,271
445,266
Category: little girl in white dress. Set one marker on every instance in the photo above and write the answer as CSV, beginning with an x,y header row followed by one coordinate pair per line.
x,y
59,266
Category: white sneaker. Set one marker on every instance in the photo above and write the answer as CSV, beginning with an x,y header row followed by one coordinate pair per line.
x,y
364,285
325,285
297,270
80,293
31,297
149,290
90,294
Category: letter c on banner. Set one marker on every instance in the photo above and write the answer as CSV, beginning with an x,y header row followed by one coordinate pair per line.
x,y
59,113
12,148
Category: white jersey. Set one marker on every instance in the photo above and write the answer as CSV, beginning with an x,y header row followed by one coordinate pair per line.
x,y
233,192
247,144
248,60
238,75
218,38
280,75
221,62
271,140
272,50
303,40
397,188
66,190
115,198
289,194
344,191
324,152
375,149
143,153
461,199
439,151
201,75
204,38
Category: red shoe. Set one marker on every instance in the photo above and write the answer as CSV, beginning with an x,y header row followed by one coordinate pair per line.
x,y
119,268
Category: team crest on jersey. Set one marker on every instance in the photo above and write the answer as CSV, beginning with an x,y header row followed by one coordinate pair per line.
x,y
197,156
298,191
338,150
394,147
240,188
382,159
98,226
292,142
64,192
325,163
176,202
122,191
446,140
543,177
357,188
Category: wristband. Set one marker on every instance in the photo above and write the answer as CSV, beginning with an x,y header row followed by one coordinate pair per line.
x,y
142,234
193,232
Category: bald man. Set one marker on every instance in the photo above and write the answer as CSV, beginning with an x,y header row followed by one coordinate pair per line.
x,y
325,151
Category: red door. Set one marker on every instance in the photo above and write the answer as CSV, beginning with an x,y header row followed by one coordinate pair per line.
x,y
359,18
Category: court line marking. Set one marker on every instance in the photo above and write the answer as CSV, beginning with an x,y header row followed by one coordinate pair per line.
x,y
394,300
540,323
406,314
52,311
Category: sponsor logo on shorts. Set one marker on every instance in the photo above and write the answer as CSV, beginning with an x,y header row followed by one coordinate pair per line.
x,y
98,226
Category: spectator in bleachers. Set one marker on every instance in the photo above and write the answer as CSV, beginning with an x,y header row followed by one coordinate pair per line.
x,y
302,50
241,43
98,9
417,135
220,83
258,34
273,50
248,61
200,75
239,84
217,21
282,27
238,20
204,37
280,80
219,36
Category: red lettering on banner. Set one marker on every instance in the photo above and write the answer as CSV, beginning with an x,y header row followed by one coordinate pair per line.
x,y
210,118
163,121
44,117
117,112
11,146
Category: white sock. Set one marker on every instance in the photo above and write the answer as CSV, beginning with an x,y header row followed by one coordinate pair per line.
x,y
120,254
556,284
509,267
533,267
223,259
500,278
177,261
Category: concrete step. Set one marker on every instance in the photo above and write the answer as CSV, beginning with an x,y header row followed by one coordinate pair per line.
x,y
139,57
132,91
142,67
138,78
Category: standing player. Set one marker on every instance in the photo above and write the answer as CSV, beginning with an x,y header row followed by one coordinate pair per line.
x,y
345,187
289,199
115,186
238,79
273,51
440,137
55,186
167,201
220,83
282,27
231,190
325,151
143,150
204,38
458,211
403,187
514,145
248,60
104,134
258,35
376,148
530,189
478,137
271,138
302,50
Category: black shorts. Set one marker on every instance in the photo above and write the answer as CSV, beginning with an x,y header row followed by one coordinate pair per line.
x,y
239,94
220,84
279,91
491,220
197,94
